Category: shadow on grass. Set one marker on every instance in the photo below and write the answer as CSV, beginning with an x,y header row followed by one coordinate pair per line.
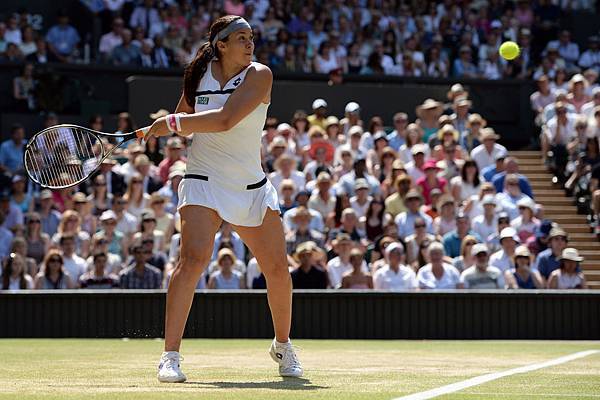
x,y
284,384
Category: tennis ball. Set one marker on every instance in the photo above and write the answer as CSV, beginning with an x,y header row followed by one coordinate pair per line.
x,y
509,50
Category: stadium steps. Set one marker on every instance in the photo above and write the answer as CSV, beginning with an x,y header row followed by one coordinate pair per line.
x,y
561,209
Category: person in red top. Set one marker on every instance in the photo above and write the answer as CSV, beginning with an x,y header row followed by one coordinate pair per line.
x,y
431,181
174,154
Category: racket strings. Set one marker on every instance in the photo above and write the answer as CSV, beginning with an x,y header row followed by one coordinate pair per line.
x,y
63,156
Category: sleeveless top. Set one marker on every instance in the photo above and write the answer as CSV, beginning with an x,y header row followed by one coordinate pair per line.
x,y
232,157
223,283
528,284
569,281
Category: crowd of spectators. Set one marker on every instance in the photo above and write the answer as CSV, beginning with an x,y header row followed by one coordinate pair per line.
x,y
418,38
434,203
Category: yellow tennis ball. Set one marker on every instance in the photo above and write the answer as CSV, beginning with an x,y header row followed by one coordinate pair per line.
x,y
509,50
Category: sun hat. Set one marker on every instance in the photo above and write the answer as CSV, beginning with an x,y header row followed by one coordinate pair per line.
x,y
570,254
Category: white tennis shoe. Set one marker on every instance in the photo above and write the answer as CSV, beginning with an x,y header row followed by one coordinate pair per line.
x,y
169,368
284,355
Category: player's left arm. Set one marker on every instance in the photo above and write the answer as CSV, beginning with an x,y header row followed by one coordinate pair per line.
x,y
255,89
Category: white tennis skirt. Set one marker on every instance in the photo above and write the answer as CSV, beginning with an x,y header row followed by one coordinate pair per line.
x,y
238,206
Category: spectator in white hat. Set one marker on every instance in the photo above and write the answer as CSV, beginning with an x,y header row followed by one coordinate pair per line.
x,y
567,275
482,275
522,276
503,258
486,225
394,275
485,153
351,117
526,223
319,116
285,168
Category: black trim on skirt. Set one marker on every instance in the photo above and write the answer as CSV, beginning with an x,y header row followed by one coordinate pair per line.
x,y
205,178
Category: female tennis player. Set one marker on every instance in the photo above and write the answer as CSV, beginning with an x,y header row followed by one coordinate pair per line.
x,y
224,105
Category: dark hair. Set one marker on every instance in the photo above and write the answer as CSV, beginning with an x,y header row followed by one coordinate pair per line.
x,y
7,272
196,69
15,127
463,171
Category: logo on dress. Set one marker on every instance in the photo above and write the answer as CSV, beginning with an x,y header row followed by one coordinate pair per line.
x,y
202,100
237,81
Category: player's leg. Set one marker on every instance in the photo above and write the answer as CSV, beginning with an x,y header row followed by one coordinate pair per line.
x,y
267,243
198,228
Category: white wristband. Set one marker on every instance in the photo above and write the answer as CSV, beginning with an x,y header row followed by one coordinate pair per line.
x,y
178,122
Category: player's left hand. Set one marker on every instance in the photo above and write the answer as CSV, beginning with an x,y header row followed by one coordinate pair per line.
x,y
158,128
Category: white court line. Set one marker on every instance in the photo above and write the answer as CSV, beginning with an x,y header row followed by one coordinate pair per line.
x,y
478,380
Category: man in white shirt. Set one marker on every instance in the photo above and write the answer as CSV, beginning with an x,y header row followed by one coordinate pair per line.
x,y
485,153
361,200
559,131
112,39
338,266
321,199
503,258
394,275
485,225
74,265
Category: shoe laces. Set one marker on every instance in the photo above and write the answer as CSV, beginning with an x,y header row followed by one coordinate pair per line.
x,y
290,356
171,361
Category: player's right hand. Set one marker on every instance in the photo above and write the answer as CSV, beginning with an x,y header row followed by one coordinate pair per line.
x,y
158,128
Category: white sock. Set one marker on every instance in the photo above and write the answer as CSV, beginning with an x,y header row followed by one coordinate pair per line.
x,y
282,344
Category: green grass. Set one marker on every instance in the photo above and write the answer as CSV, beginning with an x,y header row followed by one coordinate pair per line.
x,y
242,369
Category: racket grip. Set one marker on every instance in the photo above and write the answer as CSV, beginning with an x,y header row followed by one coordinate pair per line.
x,y
140,133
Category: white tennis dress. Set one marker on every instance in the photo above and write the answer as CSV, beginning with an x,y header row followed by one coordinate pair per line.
x,y
223,170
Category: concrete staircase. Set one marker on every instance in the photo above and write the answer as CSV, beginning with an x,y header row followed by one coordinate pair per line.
x,y
561,209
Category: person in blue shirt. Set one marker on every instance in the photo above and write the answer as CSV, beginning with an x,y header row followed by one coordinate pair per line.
x,y
493,169
63,39
398,136
405,221
453,239
548,260
11,150
511,167
463,66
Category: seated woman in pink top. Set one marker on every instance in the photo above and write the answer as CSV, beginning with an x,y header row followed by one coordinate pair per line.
x,y
431,181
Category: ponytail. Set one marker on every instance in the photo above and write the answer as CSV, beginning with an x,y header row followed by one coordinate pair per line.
x,y
195,71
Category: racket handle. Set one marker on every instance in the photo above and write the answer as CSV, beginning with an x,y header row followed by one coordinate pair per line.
x,y
140,133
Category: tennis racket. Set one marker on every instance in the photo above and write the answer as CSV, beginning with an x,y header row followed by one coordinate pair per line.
x,y
65,155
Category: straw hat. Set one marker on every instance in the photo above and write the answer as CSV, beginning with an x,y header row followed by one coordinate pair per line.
x,y
225,252
429,104
489,133
305,247
522,251
570,254
476,118
455,90
447,129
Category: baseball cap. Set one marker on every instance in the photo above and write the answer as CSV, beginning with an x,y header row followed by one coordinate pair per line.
x,y
544,229
355,130
501,155
413,194
284,126
361,183
509,233
392,247
352,107
479,248
108,214
418,148
430,164
174,143
318,103
45,194
488,199
522,251
556,232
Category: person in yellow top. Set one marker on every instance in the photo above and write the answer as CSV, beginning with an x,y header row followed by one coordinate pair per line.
x,y
319,115
394,204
